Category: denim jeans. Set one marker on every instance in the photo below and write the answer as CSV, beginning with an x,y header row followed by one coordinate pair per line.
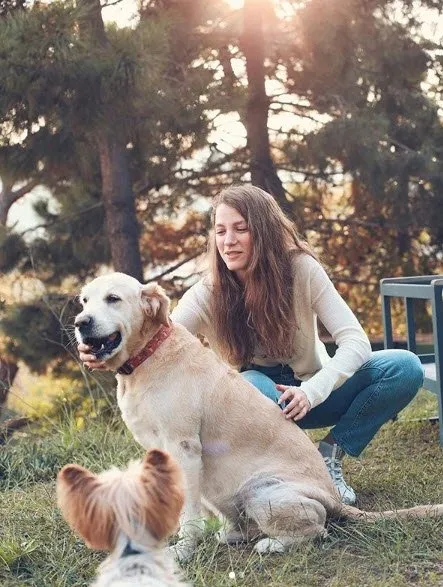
x,y
376,393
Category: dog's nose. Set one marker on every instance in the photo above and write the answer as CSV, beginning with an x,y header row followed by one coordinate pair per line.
x,y
83,323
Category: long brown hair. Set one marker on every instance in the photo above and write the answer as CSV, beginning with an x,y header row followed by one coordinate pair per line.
x,y
260,311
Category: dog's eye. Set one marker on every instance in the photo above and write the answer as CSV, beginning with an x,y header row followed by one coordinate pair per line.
x,y
83,300
112,299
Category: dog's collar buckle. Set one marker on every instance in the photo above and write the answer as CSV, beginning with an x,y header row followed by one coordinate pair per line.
x,y
125,369
162,334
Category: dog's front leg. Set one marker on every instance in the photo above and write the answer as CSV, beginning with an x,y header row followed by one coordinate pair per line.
x,y
191,522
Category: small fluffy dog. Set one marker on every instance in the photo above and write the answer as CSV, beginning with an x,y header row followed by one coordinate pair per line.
x,y
258,469
130,513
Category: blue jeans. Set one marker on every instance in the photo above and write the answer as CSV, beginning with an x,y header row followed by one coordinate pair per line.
x,y
376,393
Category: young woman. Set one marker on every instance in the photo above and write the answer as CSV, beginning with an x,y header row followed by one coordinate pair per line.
x,y
258,308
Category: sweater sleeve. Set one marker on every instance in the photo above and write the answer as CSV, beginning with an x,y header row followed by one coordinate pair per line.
x,y
353,345
192,309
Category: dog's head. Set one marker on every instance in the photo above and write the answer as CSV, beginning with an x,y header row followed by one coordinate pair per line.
x,y
118,313
144,501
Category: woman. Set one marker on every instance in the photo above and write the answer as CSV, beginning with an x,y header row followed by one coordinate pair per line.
x,y
258,309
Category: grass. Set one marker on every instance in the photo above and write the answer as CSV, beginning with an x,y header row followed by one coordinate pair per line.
x,y
402,467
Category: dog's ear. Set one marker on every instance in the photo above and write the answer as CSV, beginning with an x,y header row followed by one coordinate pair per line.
x,y
163,486
82,499
155,303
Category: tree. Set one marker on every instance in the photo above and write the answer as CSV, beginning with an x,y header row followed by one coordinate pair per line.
x,y
105,88
146,89
111,139
263,171
126,91
364,72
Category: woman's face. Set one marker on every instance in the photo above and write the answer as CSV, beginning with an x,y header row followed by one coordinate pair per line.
x,y
233,239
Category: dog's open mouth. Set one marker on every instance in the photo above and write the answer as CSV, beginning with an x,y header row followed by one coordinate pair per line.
x,y
101,347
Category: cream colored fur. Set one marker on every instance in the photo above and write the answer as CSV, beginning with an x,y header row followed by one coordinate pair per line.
x,y
237,451
129,513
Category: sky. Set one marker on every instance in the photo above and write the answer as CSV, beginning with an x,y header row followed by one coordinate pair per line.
x,y
21,215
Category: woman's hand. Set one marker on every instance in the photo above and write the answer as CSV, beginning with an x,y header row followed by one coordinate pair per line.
x,y
88,358
298,404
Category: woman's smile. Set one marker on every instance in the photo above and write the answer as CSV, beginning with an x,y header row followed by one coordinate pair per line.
x,y
233,239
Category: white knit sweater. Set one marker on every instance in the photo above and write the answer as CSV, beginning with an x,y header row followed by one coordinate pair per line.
x,y
315,295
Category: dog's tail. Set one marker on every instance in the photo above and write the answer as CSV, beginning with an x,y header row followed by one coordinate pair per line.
x,y
419,511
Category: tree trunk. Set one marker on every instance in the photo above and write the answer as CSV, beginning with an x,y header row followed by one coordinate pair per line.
x,y
117,193
119,205
263,171
403,220
8,196
8,371
4,208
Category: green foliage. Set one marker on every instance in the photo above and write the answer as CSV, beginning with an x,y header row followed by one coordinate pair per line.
x,y
12,250
13,551
59,442
383,130
9,6
64,90
373,160
75,244
41,332
55,397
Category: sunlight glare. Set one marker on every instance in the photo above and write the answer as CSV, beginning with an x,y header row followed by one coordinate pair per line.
x,y
123,13
236,4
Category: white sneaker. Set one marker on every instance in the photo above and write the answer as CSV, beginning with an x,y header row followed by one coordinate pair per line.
x,y
332,455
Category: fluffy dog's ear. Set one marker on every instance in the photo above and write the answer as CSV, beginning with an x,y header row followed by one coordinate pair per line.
x,y
156,303
163,485
81,498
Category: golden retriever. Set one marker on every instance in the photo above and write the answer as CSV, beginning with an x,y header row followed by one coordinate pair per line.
x,y
260,471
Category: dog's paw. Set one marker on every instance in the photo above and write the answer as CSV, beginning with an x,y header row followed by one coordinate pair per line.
x,y
266,545
183,550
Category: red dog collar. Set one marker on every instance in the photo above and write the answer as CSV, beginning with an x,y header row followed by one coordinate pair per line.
x,y
128,367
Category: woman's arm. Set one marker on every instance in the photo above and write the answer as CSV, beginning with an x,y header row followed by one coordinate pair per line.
x,y
353,345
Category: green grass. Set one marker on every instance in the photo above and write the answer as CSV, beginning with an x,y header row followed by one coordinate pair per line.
x,y
402,467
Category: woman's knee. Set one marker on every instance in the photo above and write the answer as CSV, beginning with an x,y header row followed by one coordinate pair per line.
x,y
411,366
409,370
263,383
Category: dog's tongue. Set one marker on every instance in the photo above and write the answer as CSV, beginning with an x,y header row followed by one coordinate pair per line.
x,y
100,343
101,346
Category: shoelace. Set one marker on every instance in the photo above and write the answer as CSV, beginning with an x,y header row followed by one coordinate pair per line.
x,y
334,466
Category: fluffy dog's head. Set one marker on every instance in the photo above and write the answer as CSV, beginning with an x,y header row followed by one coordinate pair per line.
x,y
144,501
118,314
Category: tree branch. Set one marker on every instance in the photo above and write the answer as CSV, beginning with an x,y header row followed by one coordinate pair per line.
x,y
174,267
61,220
